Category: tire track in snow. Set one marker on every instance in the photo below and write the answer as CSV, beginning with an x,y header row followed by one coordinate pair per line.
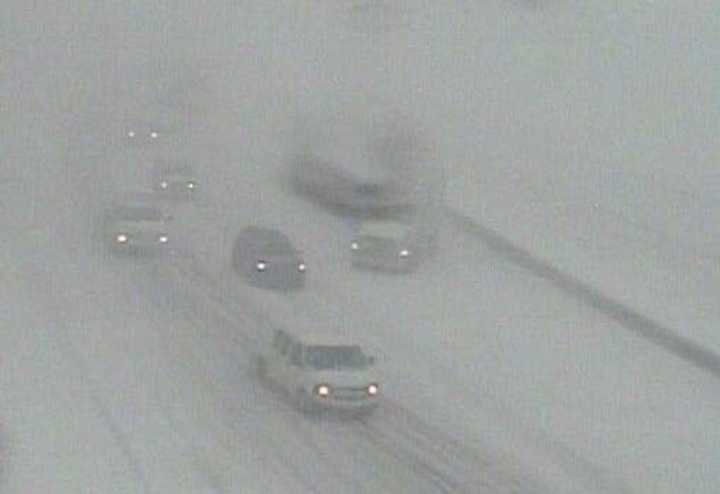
x,y
233,319
229,316
424,464
75,357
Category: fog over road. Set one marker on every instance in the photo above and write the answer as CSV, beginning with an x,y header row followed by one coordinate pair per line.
x,y
128,375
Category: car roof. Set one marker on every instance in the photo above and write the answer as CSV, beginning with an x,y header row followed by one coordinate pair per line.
x,y
180,167
273,240
137,212
389,229
349,165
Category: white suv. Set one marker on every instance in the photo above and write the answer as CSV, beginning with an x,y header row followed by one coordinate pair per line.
x,y
321,372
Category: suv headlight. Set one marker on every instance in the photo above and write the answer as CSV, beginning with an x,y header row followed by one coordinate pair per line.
x,y
373,389
322,390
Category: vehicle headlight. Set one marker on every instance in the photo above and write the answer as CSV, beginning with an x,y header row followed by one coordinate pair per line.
x,y
301,267
373,389
261,265
163,185
154,135
163,239
404,253
322,390
121,238
354,246
131,133
191,185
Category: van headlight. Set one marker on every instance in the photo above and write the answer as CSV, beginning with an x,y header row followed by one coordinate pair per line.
x,y
122,238
373,389
322,390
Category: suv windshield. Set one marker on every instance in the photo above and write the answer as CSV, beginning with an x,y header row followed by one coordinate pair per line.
x,y
336,357
278,249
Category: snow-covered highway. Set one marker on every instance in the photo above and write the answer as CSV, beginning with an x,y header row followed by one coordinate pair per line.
x,y
123,376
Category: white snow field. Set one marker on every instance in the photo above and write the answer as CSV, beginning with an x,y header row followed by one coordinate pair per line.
x,y
608,172
124,376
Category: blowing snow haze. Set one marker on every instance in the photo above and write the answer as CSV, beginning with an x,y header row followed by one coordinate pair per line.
x,y
554,163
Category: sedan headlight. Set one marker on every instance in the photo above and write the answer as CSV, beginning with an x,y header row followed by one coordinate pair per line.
x,y
354,246
301,267
154,135
373,389
322,390
122,238
261,265
404,253
191,185
163,185
131,133
163,239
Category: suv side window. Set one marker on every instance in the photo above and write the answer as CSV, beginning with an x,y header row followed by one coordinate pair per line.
x,y
296,355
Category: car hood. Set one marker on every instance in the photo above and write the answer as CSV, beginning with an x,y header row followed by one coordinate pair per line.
x,y
349,378
177,178
140,226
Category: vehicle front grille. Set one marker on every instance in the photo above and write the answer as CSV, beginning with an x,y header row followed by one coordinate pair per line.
x,y
145,237
351,393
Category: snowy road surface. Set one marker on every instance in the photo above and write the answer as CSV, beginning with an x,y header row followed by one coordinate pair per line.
x,y
123,377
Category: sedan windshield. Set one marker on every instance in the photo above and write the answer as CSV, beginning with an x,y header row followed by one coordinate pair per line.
x,y
336,357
